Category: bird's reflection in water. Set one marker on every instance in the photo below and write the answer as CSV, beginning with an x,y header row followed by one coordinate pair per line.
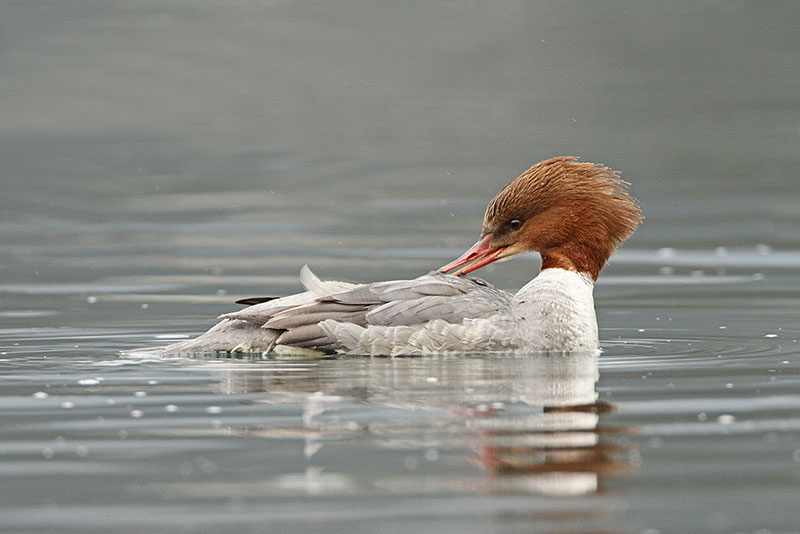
x,y
531,421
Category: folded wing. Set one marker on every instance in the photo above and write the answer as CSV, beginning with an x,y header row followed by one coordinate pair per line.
x,y
308,320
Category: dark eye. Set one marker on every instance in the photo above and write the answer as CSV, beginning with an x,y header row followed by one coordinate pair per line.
x,y
515,224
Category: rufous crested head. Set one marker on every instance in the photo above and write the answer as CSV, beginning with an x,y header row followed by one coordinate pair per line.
x,y
574,213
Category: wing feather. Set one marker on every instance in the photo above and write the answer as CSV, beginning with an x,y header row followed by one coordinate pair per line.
x,y
287,322
295,320
300,334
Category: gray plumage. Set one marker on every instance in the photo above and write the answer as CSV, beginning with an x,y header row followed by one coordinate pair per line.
x,y
295,320
304,318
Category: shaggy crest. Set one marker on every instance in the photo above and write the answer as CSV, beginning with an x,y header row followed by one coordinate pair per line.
x,y
578,210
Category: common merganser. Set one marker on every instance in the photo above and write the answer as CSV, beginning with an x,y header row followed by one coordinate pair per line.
x,y
575,214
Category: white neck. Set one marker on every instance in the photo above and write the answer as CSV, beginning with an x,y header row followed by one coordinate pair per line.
x,y
559,306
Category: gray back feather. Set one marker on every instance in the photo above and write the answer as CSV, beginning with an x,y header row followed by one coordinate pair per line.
x,y
295,319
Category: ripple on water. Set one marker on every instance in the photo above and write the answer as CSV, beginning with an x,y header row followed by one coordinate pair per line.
x,y
685,351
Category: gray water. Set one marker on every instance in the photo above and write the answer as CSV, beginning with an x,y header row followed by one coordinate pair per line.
x,y
160,159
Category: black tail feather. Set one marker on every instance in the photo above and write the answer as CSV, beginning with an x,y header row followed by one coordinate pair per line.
x,y
255,300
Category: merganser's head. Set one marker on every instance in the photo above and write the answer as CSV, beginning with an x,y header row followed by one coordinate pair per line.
x,y
574,214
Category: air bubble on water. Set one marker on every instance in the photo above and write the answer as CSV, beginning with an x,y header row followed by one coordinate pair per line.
x,y
721,252
666,270
40,395
726,419
702,416
140,394
770,335
88,381
91,299
431,380
763,250
145,305
137,413
758,276
213,409
666,252
81,450
68,404
170,408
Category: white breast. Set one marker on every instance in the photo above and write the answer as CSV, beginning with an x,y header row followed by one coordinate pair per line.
x,y
555,311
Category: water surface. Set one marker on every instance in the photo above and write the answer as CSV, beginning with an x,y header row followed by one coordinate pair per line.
x,y
160,160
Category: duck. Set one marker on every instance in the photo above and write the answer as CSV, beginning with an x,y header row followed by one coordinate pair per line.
x,y
574,214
